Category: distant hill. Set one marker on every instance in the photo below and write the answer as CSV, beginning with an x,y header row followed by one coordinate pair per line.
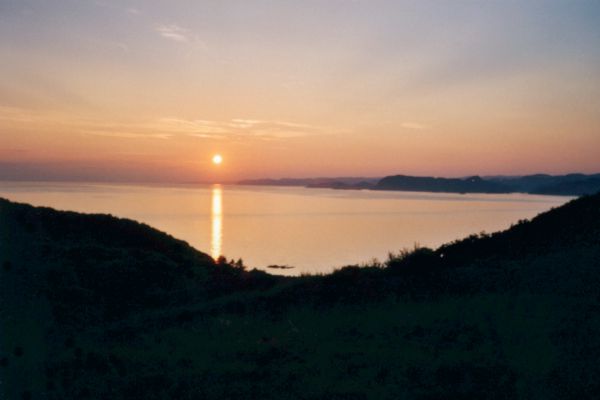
x,y
571,184
577,187
97,307
562,185
473,184
337,182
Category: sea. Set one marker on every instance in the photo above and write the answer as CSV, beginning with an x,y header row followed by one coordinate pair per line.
x,y
292,230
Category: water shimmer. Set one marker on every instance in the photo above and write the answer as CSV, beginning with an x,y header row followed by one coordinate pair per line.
x,y
314,230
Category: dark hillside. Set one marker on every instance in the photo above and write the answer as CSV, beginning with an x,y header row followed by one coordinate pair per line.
x,y
474,184
98,307
569,185
98,267
575,223
579,187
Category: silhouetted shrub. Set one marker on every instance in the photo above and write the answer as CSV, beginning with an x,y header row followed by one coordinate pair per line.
x,y
185,363
6,265
344,396
118,364
419,260
97,363
470,381
184,316
352,284
84,393
222,260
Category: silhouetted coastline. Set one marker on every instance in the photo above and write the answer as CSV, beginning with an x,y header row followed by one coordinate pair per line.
x,y
559,185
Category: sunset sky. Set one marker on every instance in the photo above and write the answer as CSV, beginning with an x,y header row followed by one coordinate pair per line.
x,y
151,90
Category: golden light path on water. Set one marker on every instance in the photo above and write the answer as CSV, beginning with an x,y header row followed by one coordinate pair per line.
x,y
216,235
314,230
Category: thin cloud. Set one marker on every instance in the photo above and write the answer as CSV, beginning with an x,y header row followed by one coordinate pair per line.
x,y
275,128
237,129
128,10
196,126
182,35
243,123
414,126
13,150
16,114
123,47
128,135
207,136
174,32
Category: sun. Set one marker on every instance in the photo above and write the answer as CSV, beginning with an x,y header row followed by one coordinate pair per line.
x,y
217,159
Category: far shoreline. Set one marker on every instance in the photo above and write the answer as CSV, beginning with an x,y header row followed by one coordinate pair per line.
x,y
575,184
250,185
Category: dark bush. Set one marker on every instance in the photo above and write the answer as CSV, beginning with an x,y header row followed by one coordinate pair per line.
x,y
69,342
419,260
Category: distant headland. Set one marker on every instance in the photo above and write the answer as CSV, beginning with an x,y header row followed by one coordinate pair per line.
x,y
561,185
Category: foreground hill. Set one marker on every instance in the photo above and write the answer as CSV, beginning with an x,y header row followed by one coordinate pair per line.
x,y
99,307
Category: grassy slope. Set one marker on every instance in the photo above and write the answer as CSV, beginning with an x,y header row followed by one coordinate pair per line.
x,y
107,308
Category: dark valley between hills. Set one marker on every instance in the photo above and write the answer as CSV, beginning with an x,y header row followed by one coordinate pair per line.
x,y
97,307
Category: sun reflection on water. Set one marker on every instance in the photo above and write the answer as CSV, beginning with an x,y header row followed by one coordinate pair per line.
x,y
216,237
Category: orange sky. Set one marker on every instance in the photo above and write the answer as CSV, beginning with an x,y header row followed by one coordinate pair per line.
x,y
150,91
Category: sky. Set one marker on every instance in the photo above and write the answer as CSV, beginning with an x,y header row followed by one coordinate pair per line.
x,y
151,90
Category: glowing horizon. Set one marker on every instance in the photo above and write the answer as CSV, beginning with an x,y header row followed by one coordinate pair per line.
x,y
150,91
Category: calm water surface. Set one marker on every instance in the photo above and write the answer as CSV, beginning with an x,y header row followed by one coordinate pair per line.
x,y
314,230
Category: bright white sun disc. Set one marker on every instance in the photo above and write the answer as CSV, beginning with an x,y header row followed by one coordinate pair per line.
x,y
217,159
